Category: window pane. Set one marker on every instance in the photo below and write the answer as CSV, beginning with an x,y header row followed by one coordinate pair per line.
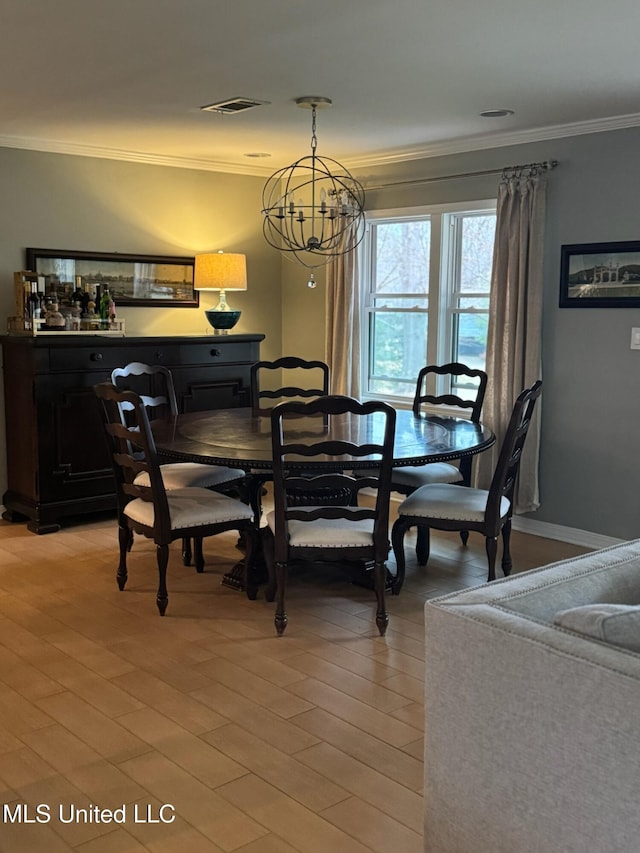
x,y
391,387
470,339
479,302
477,252
398,347
402,257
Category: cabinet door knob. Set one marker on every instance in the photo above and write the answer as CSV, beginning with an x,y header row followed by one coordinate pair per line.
x,y
96,356
159,356
215,353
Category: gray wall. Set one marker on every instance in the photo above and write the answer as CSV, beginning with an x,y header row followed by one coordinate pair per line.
x,y
591,397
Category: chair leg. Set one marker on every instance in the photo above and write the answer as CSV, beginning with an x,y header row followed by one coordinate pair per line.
x,y
255,499
423,545
125,536
251,549
397,542
269,558
198,556
380,575
492,549
162,599
507,562
186,551
280,620
464,536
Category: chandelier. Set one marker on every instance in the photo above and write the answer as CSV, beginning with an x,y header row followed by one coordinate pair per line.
x,y
313,209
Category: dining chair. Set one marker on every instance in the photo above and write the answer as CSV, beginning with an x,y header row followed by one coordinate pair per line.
x,y
469,398
407,480
154,385
145,506
312,380
445,506
304,524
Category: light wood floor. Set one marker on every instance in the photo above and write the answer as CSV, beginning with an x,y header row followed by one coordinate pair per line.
x,y
309,742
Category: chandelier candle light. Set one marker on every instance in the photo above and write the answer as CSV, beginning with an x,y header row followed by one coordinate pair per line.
x,y
221,271
313,209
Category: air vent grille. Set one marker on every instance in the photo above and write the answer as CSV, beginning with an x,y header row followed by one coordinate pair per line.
x,y
233,105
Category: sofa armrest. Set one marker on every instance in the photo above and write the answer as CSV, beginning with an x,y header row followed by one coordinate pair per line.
x,y
532,740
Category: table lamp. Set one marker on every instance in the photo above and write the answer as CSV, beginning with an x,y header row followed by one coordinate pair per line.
x,y
221,271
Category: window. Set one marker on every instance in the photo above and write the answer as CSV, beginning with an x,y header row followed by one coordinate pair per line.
x,y
425,284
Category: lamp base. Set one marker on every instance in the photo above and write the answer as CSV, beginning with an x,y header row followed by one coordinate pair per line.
x,y
222,321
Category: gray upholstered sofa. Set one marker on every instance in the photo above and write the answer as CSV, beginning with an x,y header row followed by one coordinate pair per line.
x,y
532,729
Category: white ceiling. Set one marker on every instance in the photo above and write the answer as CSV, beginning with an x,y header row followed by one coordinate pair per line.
x,y
408,78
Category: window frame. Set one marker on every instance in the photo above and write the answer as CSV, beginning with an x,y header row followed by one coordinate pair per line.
x,y
444,271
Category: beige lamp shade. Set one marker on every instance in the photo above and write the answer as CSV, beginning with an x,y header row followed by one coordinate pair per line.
x,y
220,271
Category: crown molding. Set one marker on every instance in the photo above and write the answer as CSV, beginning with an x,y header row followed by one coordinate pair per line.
x,y
78,150
398,155
502,140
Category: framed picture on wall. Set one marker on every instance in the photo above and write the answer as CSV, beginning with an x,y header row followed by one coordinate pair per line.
x,y
149,280
600,275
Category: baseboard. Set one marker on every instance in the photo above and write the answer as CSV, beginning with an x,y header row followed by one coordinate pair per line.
x,y
563,534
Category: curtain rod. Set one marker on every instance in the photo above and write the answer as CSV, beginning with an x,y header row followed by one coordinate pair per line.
x,y
544,166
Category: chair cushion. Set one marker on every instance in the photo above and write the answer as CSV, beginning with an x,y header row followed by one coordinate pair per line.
x,y
456,503
191,507
422,475
618,624
327,532
180,475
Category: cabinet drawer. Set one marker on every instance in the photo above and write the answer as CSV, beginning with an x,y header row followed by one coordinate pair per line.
x,y
215,353
107,356
96,357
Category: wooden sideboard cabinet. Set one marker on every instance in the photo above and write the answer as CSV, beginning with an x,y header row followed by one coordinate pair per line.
x,y
57,462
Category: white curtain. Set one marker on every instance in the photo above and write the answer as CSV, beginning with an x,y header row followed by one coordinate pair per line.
x,y
515,322
342,331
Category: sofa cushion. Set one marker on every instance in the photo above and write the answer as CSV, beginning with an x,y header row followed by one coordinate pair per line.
x,y
618,624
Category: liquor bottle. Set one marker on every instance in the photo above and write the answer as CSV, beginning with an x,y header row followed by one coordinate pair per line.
x,y
34,301
78,293
86,299
105,304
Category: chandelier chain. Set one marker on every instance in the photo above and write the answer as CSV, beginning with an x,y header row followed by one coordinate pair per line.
x,y
314,138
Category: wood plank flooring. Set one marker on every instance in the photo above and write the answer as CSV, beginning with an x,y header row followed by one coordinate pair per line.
x,y
311,742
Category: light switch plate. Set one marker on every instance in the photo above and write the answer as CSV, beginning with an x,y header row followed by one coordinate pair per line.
x,y
635,337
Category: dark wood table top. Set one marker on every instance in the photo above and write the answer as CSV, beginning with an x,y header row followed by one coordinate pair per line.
x,y
236,438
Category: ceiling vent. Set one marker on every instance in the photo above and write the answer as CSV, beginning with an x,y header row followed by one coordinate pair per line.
x,y
233,105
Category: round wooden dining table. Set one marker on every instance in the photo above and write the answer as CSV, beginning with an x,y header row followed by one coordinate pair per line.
x,y
239,439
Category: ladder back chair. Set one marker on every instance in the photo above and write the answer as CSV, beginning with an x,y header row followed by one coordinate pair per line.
x,y
312,380
335,433
445,506
313,377
406,480
145,506
154,385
